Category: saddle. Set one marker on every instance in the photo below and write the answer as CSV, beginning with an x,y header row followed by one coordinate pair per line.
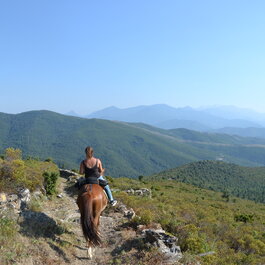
x,y
83,181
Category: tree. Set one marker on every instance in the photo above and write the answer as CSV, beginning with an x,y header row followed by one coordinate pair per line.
x,y
140,178
226,195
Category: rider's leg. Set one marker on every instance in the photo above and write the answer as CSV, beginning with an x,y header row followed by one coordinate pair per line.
x,y
108,191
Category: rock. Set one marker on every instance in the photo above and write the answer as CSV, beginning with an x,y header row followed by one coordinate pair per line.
x,y
73,179
60,195
146,192
165,243
130,191
3,198
139,192
68,174
12,198
24,196
129,213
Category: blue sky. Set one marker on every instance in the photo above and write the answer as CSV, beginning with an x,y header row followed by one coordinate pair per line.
x,y
86,55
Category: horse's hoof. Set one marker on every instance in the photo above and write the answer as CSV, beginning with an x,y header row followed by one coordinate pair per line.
x,y
90,253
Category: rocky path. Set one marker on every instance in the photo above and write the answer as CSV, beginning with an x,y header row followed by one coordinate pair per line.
x,y
71,246
52,235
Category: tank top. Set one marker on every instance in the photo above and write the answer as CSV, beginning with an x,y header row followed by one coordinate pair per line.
x,y
92,172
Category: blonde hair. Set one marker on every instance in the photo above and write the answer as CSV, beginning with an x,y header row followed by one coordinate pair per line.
x,y
89,151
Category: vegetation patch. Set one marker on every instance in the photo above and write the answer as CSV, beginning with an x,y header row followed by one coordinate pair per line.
x,y
231,179
202,220
16,173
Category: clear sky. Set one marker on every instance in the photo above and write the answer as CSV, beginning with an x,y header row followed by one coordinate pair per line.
x,y
86,55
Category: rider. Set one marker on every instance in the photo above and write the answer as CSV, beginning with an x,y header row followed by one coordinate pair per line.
x,y
92,167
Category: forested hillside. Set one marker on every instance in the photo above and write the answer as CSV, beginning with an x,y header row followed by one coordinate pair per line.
x,y
126,149
244,182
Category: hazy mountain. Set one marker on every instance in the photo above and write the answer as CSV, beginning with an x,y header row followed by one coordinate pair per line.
x,y
126,149
245,132
146,114
73,113
232,112
187,124
167,117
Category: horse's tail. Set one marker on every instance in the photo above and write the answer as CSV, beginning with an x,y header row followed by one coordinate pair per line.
x,y
89,227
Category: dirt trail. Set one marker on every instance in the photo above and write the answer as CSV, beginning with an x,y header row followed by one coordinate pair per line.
x,y
110,224
65,243
53,235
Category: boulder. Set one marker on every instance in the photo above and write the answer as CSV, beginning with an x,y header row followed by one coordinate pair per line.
x,y
25,197
130,191
146,192
166,244
12,198
140,192
8,202
129,213
68,174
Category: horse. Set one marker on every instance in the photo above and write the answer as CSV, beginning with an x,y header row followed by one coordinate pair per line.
x,y
91,202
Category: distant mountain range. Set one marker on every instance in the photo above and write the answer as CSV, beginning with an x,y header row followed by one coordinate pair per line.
x,y
126,149
203,119
167,117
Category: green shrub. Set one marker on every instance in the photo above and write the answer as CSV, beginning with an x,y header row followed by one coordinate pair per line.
x,y
140,178
49,159
50,181
246,218
191,240
12,154
16,173
145,217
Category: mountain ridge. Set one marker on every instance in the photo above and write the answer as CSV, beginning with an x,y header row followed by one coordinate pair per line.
x,y
167,117
240,181
126,149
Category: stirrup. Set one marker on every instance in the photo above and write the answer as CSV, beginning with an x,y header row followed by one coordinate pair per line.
x,y
113,202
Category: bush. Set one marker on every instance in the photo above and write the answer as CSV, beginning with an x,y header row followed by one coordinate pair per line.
x,y
145,218
50,182
245,218
192,240
12,154
49,159
16,173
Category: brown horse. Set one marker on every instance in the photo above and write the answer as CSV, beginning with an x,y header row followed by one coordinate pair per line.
x,y
91,202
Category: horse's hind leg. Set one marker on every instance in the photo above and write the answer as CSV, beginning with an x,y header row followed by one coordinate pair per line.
x,y
89,250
